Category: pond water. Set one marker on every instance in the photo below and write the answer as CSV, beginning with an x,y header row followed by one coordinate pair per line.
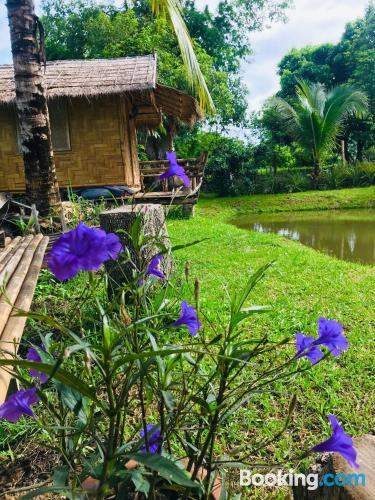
x,y
346,234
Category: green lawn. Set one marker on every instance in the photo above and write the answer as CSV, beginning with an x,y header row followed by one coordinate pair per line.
x,y
301,286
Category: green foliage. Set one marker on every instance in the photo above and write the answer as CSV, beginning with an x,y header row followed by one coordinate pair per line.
x,y
317,117
83,29
229,169
351,61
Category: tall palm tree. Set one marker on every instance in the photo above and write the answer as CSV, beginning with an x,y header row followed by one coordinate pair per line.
x,y
318,116
40,173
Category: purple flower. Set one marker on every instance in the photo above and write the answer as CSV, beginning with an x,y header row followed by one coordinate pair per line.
x,y
188,317
339,442
305,347
82,249
175,169
33,355
330,335
154,267
154,439
18,404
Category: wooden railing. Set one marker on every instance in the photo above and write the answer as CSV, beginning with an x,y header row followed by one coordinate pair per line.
x,y
194,169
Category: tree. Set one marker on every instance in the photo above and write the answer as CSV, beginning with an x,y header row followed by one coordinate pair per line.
x,y
351,61
318,116
40,174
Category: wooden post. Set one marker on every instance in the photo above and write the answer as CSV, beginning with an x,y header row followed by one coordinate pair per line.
x,y
35,215
335,465
188,210
152,224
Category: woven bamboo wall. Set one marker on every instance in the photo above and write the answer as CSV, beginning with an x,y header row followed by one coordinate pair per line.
x,y
103,146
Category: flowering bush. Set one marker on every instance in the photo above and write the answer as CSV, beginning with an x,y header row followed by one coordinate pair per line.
x,y
137,400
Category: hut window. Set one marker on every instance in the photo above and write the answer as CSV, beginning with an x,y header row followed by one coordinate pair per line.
x,y
58,115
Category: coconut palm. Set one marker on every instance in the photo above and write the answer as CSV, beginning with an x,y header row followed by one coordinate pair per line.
x,y
40,173
172,10
318,115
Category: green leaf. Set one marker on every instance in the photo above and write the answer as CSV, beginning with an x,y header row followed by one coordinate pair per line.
x,y
73,400
169,400
60,476
187,245
166,468
59,374
140,482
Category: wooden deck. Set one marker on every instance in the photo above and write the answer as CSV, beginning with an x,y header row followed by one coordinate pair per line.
x,y
172,192
20,263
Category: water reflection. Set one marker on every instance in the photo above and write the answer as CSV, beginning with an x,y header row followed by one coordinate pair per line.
x,y
349,234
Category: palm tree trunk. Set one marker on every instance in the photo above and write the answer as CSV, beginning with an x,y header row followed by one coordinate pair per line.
x,y
316,173
40,174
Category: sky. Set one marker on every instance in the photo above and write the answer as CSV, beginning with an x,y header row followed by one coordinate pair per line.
x,y
310,22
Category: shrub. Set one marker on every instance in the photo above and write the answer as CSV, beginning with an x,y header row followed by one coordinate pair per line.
x,y
147,382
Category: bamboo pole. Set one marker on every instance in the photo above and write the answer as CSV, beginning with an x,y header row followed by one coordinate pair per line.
x,y
13,262
12,333
15,283
8,251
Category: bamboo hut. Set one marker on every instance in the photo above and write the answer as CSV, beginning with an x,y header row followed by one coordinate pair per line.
x,y
95,109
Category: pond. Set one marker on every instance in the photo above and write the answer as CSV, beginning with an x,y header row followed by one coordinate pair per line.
x,y
346,234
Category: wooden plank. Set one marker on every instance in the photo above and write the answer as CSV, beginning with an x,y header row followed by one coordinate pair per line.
x,y
14,284
13,330
10,266
8,251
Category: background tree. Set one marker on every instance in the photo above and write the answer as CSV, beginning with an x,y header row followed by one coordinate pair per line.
x,y
351,61
317,117
40,174
85,29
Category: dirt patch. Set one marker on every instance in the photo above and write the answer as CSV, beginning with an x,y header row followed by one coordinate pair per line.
x,y
30,466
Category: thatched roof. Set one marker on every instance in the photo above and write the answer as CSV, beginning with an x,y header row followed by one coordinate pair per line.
x,y
135,76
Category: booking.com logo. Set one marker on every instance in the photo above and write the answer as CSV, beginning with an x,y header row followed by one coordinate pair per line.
x,y
311,481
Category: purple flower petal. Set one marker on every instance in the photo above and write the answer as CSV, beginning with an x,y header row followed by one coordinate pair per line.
x,y
33,355
154,439
18,404
154,267
331,336
175,169
82,249
339,442
305,347
189,318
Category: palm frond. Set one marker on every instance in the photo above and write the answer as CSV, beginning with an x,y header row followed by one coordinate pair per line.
x,y
341,102
173,11
286,112
318,116
311,96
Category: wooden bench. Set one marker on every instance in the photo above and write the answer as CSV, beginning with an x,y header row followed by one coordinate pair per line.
x,y
20,263
172,193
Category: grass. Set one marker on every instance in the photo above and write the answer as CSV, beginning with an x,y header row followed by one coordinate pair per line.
x,y
301,286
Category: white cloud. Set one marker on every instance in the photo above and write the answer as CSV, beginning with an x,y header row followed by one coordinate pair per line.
x,y
311,22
